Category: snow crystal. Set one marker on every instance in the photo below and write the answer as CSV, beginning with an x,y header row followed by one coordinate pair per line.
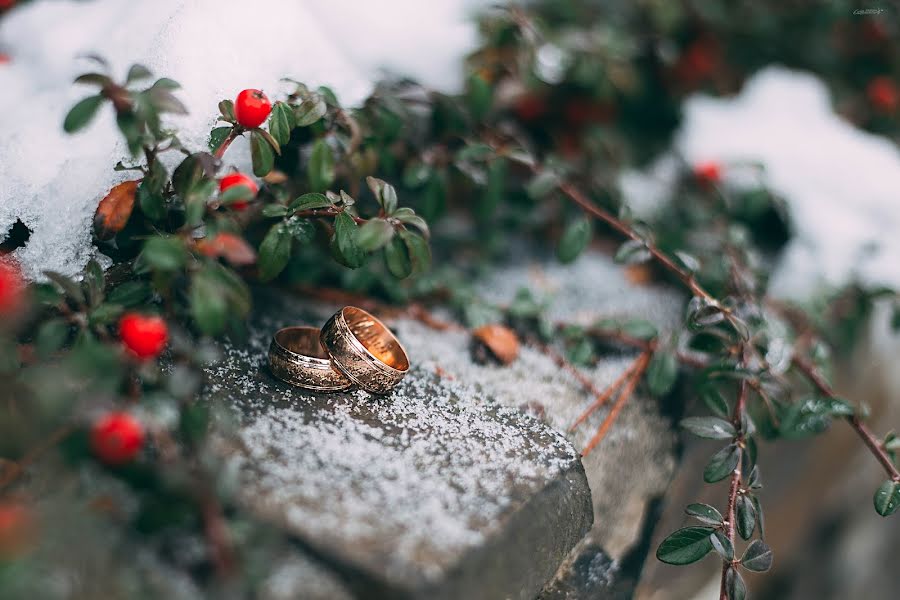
x,y
53,181
841,183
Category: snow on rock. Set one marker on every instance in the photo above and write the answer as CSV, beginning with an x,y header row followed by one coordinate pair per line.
x,y
842,184
214,48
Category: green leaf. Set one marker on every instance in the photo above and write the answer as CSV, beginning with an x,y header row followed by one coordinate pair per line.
x,y
480,96
384,193
702,314
638,328
310,201
542,184
82,113
164,254
137,72
261,153
226,108
374,234
722,545
574,240
407,216
759,516
274,252
712,428
715,400
152,205
344,247
632,252
745,516
237,193
396,256
494,190
416,174
130,293
704,513
721,464
685,546
320,169
106,314
94,283
217,136
662,372
419,251
734,585
50,337
811,415
275,210
67,285
209,305
757,557
281,121
310,111
887,498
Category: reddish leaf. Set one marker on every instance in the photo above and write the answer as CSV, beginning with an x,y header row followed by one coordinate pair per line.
x,y
115,209
501,341
230,247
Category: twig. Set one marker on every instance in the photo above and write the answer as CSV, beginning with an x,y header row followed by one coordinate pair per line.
x,y
642,362
232,135
810,372
737,421
606,394
17,468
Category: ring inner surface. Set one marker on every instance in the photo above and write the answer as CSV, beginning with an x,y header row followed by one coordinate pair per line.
x,y
376,338
302,340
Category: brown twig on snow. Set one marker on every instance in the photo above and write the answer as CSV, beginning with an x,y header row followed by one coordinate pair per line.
x,y
642,362
606,394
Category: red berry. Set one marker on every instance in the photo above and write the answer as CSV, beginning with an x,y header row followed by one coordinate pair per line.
x,y
16,529
530,107
144,335
883,95
116,438
12,288
708,173
251,108
234,179
5,58
5,4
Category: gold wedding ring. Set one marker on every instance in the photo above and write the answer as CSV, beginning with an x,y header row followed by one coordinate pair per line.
x,y
296,356
364,349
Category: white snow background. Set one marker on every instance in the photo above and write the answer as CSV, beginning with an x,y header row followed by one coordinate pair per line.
x,y
842,184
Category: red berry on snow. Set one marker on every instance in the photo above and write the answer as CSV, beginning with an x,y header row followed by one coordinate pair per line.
x,y
116,438
883,94
12,288
708,173
144,335
251,108
234,179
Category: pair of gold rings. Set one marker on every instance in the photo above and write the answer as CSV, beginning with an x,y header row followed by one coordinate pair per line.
x,y
353,348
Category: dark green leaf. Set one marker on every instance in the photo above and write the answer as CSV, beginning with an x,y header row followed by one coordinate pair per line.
x,y
164,254
281,121
261,154
97,79
632,252
759,516
416,174
152,205
130,293
320,169
745,516
82,113
50,337
209,305
757,557
194,421
407,216
712,428
274,252
67,285
310,111
702,314
662,372
542,184
721,464
734,585
722,545
494,190
106,314
685,546
479,96
396,256
302,230
310,201
217,136
275,210
273,143
419,251
343,244
374,234
131,128
236,193
384,193
811,415
94,283
887,498
226,108
574,240
714,400
705,513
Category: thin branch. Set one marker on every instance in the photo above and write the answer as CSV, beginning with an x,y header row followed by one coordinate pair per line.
x,y
737,421
643,361
232,135
606,394
810,372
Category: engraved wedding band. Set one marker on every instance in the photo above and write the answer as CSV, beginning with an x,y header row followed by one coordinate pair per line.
x,y
364,349
296,356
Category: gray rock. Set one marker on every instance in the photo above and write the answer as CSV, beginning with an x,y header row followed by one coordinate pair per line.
x,y
435,491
